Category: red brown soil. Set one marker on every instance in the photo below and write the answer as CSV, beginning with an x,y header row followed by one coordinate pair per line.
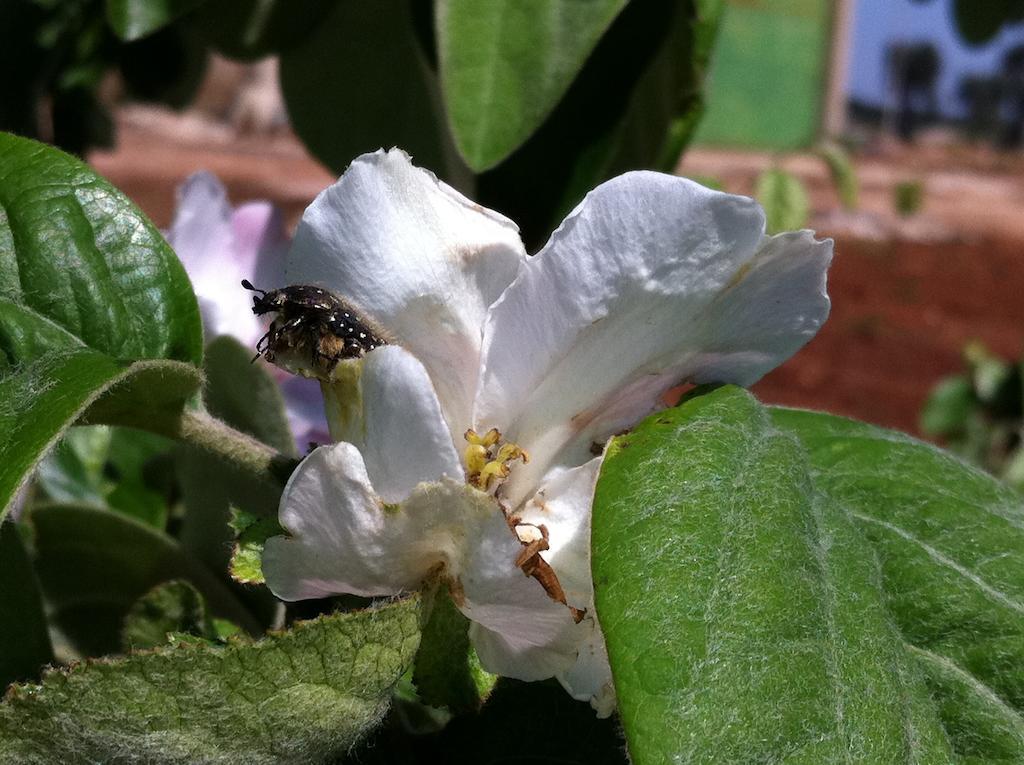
x,y
906,294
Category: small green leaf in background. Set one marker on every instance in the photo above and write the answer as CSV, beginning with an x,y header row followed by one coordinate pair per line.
x,y
506,63
949,406
172,607
251,533
94,564
447,671
133,19
784,199
106,467
844,176
754,630
302,696
24,640
96,312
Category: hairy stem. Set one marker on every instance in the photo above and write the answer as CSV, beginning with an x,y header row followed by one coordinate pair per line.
x,y
214,437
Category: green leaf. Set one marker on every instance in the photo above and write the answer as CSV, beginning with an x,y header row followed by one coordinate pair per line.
x,y
103,466
172,607
252,29
950,540
305,695
361,82
948,407
447,671
506,63
41,399
132,19
24,640
631,106
73,472
94,564
754,630
245,396
251,533
77,254
844,176
96,312
784,199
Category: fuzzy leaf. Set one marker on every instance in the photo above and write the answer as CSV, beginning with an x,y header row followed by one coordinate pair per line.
x,y
305,695
755,629
950,540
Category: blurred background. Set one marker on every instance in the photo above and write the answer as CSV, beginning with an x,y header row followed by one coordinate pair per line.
x,y
893,126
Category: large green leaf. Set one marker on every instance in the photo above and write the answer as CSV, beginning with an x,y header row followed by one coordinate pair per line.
x,y
302,696
94,564
97,316
506,63
132,19
821,591
741,609
631,106
24,640
361,82
950,539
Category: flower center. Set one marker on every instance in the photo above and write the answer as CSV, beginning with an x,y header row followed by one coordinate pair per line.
x,y
489,459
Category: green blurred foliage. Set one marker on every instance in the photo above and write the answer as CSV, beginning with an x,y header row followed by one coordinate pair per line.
x,y
523,106
979,413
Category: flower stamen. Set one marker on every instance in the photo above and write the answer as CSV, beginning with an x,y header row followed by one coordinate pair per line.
x,y
488,460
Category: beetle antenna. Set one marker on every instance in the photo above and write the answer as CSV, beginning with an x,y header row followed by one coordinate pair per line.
x,y
248,285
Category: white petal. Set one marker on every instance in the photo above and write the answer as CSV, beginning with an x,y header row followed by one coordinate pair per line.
x,y
344,539
402,434
562,504
652,280
590,678
415,256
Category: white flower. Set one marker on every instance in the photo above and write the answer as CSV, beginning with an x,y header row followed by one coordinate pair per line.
x,y
219,246
651,281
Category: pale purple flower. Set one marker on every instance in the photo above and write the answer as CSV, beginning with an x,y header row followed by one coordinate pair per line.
x,y
219,246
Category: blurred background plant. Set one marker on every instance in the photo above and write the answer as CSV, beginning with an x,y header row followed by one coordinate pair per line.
x,y
493,97
979,413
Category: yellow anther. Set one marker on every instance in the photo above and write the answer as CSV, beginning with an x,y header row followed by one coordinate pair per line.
x,y
509,452
476,458
487,459
487,440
